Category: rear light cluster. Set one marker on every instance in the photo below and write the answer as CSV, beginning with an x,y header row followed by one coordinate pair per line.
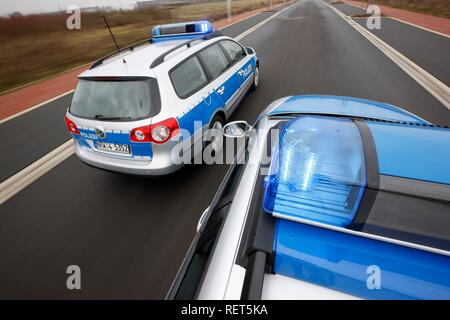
x,y
158,133
71,126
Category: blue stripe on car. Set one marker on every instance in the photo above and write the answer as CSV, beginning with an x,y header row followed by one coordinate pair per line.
x,y
209,105
202,112
348,263
412,151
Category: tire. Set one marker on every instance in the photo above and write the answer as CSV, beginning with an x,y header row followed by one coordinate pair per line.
x,y
216,123
255,83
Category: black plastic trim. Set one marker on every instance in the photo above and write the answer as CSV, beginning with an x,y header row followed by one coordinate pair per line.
x,y
416,188
372,176
254,277
160,59
259,226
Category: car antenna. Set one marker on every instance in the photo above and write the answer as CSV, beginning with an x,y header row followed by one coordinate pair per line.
x,y
114,39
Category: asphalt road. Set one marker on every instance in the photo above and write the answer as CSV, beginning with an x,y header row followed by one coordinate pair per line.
x,y
428,50
348,9
129,234
27,138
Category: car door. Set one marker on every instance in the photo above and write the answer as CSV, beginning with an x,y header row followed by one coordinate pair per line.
x,y
192,85
241,70
227,82
217,66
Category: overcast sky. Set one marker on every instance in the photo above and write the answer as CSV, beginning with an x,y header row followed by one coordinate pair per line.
x,y
34,6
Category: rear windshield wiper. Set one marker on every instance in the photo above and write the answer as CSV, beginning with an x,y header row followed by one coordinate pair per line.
x,y
102,117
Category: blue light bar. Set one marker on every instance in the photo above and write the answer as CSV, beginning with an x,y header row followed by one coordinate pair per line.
x,y
317,171
183,30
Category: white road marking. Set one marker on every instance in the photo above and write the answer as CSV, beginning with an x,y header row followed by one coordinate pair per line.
x,y
34,171
420,27
430,83
400,20
37,169
259,25
36,106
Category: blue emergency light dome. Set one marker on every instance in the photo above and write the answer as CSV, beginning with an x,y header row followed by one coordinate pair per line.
x,y
317,172
183,30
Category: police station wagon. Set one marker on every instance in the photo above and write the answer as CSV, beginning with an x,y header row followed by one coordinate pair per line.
x,y
131,108
338,198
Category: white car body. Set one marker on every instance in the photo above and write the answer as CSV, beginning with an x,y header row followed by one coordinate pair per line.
x,y
193,113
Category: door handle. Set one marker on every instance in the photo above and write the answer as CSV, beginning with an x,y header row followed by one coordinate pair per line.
x,y
221,90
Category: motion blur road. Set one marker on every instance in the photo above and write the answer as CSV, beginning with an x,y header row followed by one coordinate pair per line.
x,y
129,234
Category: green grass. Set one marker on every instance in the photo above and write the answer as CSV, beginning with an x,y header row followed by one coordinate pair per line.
x,y
38,46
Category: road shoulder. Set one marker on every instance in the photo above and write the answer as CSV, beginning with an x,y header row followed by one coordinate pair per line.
x,y
421,20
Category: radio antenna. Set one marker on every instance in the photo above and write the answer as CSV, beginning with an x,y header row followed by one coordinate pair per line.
x,y
114,39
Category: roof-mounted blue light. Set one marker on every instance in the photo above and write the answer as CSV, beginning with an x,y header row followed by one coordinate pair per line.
x,y
183,30
317,171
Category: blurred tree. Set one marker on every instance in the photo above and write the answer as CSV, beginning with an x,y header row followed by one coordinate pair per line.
x,y
16,14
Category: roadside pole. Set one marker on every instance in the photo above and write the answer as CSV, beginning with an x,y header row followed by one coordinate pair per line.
x,y
229,10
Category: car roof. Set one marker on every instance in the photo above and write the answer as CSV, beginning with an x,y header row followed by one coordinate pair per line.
x,y
412,151
343,106
139,59
405,216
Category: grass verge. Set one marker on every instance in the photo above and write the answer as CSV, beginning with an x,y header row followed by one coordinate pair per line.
x,y
35,47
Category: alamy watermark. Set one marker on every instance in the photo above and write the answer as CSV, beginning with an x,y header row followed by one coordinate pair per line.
x,y
373,281
73,22
73,281
374,20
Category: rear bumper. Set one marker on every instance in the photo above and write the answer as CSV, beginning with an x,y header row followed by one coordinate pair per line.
x,y
160,164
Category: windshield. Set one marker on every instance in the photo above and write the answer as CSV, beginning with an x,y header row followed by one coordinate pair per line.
x,y
116,100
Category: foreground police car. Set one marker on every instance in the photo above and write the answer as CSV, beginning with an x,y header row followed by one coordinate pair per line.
x,y
131,108
353,201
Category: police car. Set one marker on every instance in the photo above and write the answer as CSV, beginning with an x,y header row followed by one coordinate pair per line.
x,y
131,108
352,201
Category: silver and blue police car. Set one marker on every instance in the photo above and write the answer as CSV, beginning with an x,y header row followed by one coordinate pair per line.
x,y
339,198
131,108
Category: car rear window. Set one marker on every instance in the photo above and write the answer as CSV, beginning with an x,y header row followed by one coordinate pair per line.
x,y
121,99
214,59
188,77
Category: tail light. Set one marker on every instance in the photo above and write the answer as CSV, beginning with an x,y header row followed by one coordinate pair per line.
x,y
158,133
71,126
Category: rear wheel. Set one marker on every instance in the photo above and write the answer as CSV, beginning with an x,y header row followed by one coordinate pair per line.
x,y
214,135
255,83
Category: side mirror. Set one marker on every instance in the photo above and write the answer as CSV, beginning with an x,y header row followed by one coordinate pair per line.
x,y
236,129
250,50
202,219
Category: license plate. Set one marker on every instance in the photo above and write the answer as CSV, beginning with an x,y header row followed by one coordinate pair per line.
x,y
112,147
